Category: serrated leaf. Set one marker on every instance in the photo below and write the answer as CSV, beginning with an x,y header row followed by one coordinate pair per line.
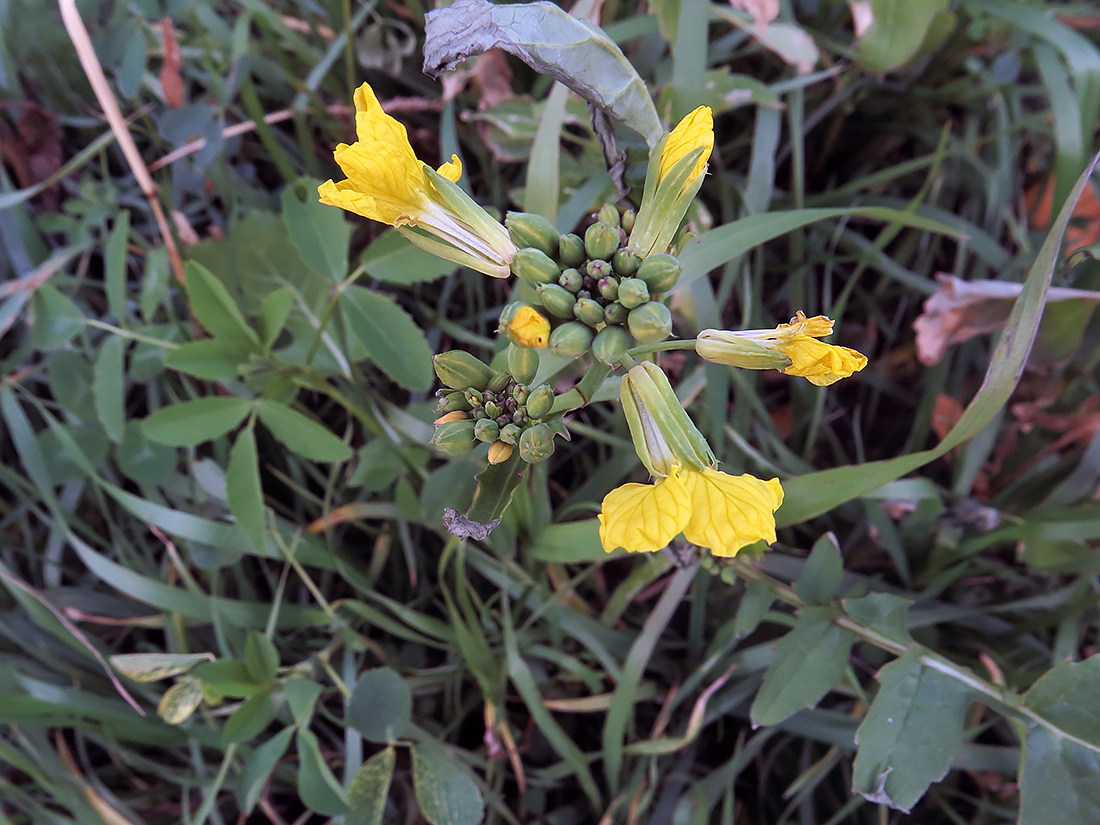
x,y
151,667
822,573
108,388
259,766
1066,696
550,41
392,338
910,733
380,706
215,359
316,785
809,662
395,259
445,793
180,701
301,434
1058,781
242,487
370,787
319,233
215,307
192,422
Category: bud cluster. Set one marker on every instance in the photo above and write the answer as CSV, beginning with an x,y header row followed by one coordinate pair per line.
x,y
596,294
480,404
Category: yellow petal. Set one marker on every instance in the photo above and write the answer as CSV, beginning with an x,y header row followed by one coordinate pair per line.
x,y
452,170
644,518
730,512
820,363
695,130
530,328
381,171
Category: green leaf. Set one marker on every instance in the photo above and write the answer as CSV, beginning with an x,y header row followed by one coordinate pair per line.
x,y
301,434
301,697
274,312
180,701
215,359
261,658
229,677
898,30
392,338
395,259
445,793
370,787
250,719
258,767
569,543
316,785
114,265
151,667
242,487
822,573
1066,695
215,307
884,612
192,422
108,388
755,602
380,707
910,733
809,662
319,233
1058,781
55,320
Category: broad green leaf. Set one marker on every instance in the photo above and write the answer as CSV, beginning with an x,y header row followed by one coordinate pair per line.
x,y
316,785
180,701
301,697
1058,784
192,422
108,388
370,787
1067,696
229,677
444,791
242,487
150,667
274,312
319,233
810,661
250,719
550,41
215,359
261,657
395,259
884,612
755,602
898,30
910,733
392,338
569,543
215,307
822,573
258,767
114,266
380,706
301,434
55,319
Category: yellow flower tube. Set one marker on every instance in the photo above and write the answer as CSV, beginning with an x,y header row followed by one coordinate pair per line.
x,y
386,182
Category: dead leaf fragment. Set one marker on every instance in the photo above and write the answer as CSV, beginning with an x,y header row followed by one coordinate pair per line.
x,y
171,82
763,11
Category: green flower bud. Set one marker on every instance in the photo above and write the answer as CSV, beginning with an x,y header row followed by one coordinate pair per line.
x,y
510,433
534,231
523,363
520,418
492,409
610,345
598,269
571,279
650,323
557,299
633,292
608,287
540,401
609,214
571,250
451,400
588,311
486,430
627,220
461,371
625,263
475,399
601,240
536,443
660,272
499,382
570,340
535,267
454,438
615,313
520,393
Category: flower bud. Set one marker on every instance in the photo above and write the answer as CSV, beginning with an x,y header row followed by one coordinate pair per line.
x,y
625,263
660,272
663,434
520,393
475,399
451,400
540,401
633,292
650,323
571,279
601,240
528,230
615,313
570,340
557,299
535,267
510,433
499,452
523,363
598,269
608,287
454,438
492,409
588,311
571,250
486,430
528,328
499,382
446,418
459,370
738,351
627,220
520,418
610,345
609,214
536,443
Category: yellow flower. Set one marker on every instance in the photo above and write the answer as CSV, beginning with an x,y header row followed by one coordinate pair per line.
x,y
792,348
693,132
387,183
711,508
529,328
